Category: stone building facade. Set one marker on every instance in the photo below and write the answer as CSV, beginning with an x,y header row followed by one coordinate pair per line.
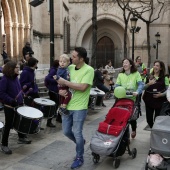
x,y
73,27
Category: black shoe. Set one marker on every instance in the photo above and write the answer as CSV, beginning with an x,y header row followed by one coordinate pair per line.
x,y
59,120
103,105
6,150
50,125
24,141
41,128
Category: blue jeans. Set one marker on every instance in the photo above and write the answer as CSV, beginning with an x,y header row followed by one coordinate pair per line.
x,y
72,126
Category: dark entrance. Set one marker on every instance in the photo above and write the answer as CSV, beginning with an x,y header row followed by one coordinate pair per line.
x,y
105,51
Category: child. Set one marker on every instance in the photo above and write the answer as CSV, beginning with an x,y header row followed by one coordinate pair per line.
x,y
108,80
63,72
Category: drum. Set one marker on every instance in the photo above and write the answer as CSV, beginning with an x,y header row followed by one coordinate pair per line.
x,y
100,96
92,99
27,120
48,107
1,126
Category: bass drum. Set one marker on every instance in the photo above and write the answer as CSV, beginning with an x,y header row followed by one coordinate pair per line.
x,y
46,106
27,120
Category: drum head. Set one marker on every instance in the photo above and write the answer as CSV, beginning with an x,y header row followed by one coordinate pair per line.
x,y
93,92
44,102
29,112
99,92
1,125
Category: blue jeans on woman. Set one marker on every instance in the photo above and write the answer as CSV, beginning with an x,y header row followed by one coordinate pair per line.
x,y
72,126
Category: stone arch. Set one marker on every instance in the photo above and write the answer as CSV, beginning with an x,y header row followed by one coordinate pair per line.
x,y
87,24
114,29
17,25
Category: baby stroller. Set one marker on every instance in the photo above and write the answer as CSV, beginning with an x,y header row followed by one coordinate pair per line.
x,y
159,154
112,137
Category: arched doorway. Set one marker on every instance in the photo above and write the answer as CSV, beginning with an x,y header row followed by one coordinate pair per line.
x,y
105,51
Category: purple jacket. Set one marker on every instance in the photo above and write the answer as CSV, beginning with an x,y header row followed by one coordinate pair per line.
x,y
50,83
9,89
27,78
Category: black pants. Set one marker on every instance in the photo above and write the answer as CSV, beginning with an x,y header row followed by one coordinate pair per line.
x,y
9,118
150,116
55,97
133,125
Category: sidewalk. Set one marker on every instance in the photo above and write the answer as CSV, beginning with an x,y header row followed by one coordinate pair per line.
x,y
50,149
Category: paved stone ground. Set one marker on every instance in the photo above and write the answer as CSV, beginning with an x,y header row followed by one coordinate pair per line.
x,y
50,149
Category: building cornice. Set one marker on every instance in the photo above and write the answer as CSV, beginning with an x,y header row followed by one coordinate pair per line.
x,y
159,25
46,35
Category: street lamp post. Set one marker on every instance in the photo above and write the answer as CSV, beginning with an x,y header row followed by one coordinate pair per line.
x,y
158,41
51,32
134,30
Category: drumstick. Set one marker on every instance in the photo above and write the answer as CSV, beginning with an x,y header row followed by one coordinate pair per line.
x,y
30,89
21,91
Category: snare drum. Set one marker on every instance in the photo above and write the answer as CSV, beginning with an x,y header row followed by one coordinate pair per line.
x,y
1,126
92,98
48,107
27,120
100,96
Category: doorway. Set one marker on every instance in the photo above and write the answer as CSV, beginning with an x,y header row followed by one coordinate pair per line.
x,y
105,51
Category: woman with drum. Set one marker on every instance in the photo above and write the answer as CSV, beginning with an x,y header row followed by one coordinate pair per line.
x,y
52,85
10,94
27,78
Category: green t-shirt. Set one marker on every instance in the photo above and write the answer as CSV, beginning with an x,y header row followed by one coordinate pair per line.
x,y
129,82
84,75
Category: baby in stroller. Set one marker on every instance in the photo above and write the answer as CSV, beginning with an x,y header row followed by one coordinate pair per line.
x,y
159,154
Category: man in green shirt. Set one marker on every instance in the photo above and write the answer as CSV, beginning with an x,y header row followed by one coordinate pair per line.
x,y
81,80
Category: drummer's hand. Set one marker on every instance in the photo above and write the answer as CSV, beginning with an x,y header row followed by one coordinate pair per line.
x,y
157,95
63,93
135,93
55,77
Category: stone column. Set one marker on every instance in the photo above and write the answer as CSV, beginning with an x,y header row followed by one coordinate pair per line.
x,y
20,39
27,32
9,38
15,40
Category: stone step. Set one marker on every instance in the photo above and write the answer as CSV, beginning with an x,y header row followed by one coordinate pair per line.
x,y
42,88
43,93
45,97
40,84
39,80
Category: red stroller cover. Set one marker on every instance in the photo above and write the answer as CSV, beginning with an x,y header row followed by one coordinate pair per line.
x,y
115,121
125,103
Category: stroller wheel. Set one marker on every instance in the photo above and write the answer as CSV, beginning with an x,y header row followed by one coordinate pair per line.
x,y
146,166
116,163
134,153
96,158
